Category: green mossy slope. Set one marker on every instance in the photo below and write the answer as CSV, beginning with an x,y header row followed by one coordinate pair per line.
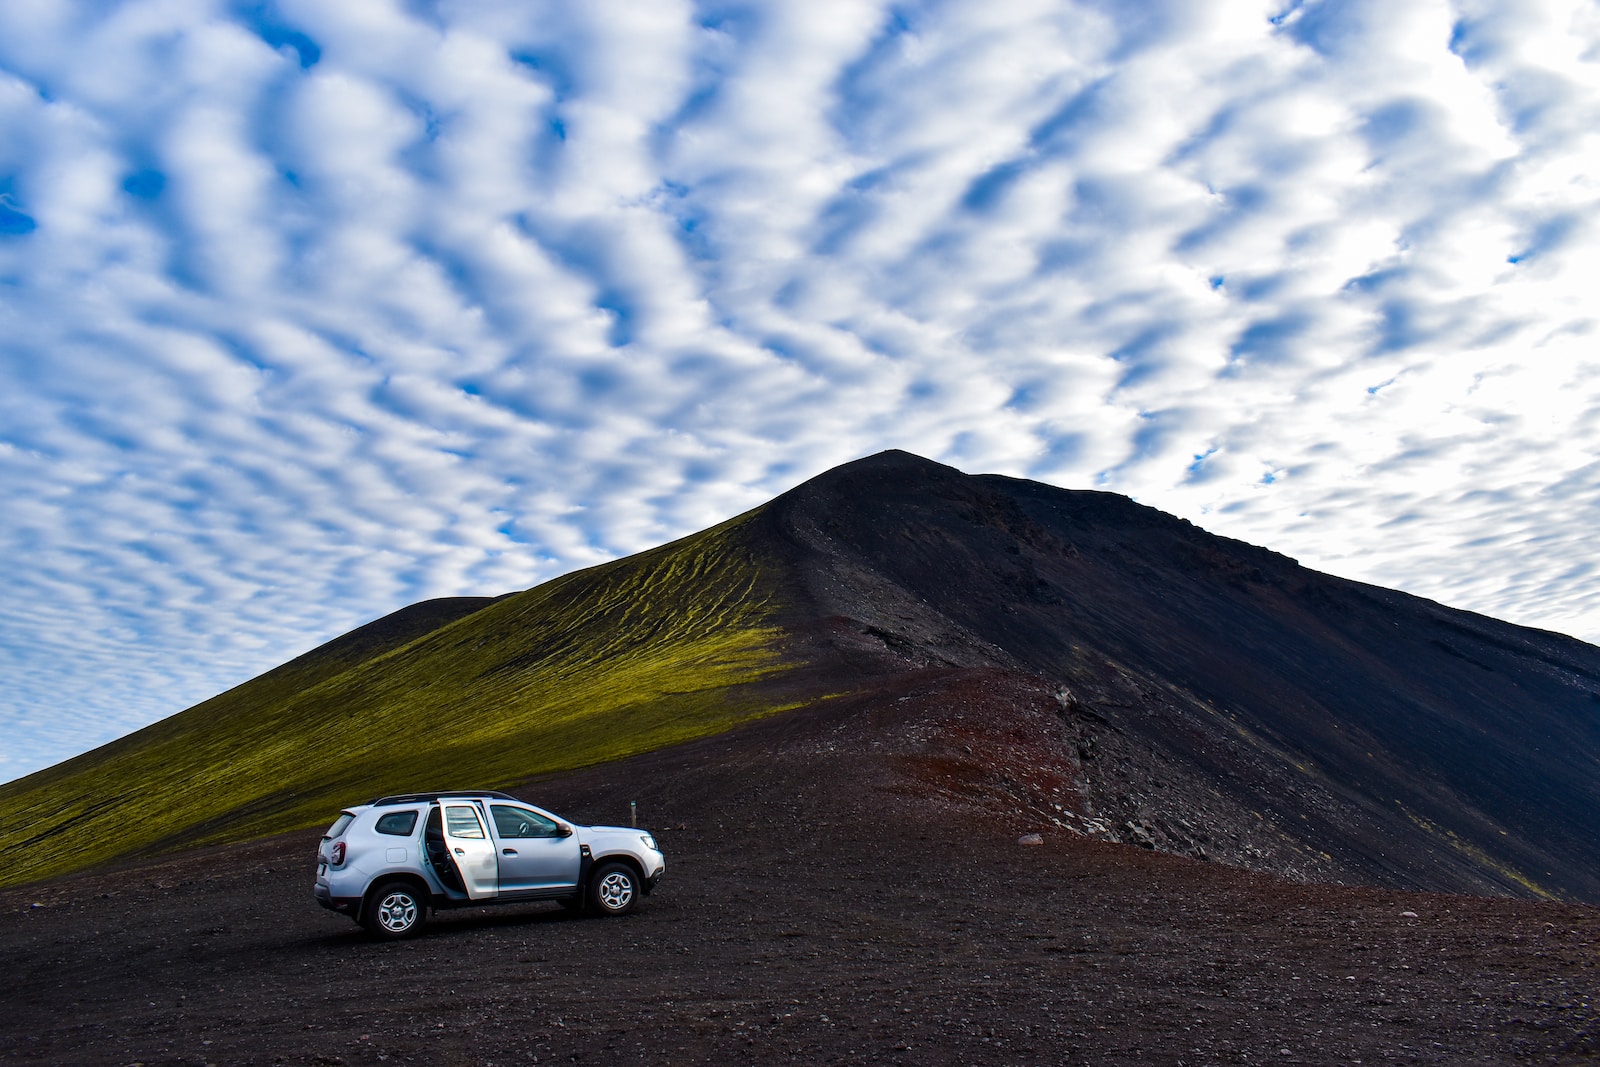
x,y
619,659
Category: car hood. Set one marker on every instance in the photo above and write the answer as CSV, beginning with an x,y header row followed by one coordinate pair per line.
x,y
632,834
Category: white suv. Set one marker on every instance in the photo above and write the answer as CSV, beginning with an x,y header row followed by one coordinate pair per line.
x,y
386,863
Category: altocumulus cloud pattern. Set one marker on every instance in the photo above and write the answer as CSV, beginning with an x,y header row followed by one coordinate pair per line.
x,y
310,310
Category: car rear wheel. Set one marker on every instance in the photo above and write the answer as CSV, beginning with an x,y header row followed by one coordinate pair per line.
x,y
394,910
613,889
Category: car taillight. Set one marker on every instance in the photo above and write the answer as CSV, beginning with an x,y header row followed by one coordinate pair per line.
x,y
337,856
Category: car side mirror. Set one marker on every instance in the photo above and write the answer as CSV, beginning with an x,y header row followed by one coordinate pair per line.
x,y
563,830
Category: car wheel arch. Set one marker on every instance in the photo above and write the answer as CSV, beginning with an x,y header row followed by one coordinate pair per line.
x,y
425,894
620,857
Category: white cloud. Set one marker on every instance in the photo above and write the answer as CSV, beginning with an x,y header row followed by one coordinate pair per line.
x,y
308,311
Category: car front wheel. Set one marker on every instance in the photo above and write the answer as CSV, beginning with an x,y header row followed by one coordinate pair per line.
x,y
394,911
613,889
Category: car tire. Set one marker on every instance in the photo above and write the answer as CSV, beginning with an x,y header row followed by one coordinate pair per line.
x,y
613,889
394,910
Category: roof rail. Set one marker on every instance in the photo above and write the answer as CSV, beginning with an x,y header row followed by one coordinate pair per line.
x,y
413,798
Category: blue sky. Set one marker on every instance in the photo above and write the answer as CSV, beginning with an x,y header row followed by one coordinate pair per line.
x,y
309,311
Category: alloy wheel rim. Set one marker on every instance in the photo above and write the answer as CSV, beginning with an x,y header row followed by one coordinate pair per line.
x,y
616,890
397,912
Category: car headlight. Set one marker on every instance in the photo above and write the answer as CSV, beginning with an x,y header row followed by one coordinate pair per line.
x,y
649,842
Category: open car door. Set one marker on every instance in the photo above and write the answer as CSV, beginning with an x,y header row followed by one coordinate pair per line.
x,y
470,848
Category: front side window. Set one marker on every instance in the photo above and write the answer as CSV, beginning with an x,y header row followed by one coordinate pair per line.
x,y
462,821
517,822
397,823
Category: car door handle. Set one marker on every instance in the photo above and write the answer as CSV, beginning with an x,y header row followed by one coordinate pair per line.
x,y
509,851
461,852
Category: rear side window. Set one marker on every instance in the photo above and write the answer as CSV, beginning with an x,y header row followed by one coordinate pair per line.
x,y
462,822
397,823
339,824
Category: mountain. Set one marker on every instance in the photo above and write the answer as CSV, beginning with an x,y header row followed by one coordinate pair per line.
x,y
1086,664
643,652
1221,699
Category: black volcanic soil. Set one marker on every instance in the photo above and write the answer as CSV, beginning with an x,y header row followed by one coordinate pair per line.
x,y
844,886
1224,700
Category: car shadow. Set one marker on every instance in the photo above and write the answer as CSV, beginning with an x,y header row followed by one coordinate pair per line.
x,y
455,921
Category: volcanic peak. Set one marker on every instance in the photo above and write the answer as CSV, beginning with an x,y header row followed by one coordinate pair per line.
x,y
1067,661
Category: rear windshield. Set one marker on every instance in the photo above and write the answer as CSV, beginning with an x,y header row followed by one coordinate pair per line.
x,y
339,824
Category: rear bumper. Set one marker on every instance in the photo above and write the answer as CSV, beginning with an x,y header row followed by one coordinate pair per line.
x,y
343,905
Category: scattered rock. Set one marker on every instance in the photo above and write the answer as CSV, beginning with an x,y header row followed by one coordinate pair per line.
x,y
1030,839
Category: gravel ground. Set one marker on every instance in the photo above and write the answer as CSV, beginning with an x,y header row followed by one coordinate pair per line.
x,y
819,907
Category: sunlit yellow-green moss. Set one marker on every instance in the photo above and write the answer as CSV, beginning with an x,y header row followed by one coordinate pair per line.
x,y
604,663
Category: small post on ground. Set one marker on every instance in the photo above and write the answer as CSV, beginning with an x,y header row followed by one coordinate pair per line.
x,y
633,814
